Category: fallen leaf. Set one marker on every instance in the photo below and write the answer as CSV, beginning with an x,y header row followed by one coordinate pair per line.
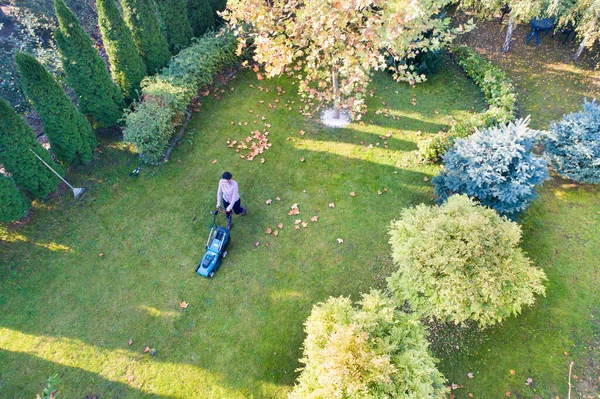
x,y
302,132
529,381
266,244
130,378
297,221
297,227
304,224
314,218
379,192
268,230
214,161
147,349
294,211
470,395
512,372
454,386
268,202
100,254
183,304
278,199
276,233
262,160
340,240
332,205
294,206
280,225
470,375
352,194
425,178
130,341
507,393
256,244
302,159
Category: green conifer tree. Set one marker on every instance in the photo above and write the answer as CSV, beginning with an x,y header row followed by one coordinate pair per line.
x,y
152,46
201,16
13,204
97,95
126,65
16,140
174,23
71,136
218,5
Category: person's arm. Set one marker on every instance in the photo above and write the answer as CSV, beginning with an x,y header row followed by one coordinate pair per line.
x,y
234,195
219,195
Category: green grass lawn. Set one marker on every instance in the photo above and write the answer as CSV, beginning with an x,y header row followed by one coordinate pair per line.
x,y
65,309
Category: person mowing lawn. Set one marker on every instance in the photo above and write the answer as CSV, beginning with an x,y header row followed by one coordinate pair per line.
x,y
228,190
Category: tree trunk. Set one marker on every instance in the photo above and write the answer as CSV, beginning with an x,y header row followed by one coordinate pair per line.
x,y
336,108
509,32
581,48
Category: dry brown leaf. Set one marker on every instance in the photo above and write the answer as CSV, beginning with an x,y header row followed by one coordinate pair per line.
x,y
297,221
425,178
268,230
277,198
512,372
352,194
130,341
304,224
302,159
314,218
214,161
276,233
297,227
256,244
295,211
269,201
332,205
340,240
262,160
280,225
183,304
147,349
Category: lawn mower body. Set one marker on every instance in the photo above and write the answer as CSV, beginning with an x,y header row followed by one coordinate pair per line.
x,y
216,250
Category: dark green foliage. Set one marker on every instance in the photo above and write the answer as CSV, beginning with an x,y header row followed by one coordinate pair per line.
x,y
174,23
16,139
149,128
218,5
13,204
152,46
201,16
71,137
97,95
126,65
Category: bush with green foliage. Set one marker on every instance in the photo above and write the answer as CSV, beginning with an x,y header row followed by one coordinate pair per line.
x,y
499,93
71,137
374,351
140,16
13,204
495,166
573,144
174,89
461,261
175,24
218,6
16,141
126,65
98,97
201,16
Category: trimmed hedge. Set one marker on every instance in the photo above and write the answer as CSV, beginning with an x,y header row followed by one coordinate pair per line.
x,y
499,93
166,96
13,204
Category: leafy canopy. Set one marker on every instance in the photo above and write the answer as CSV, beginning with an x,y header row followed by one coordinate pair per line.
x,y
573,144
461,261
495,166
373,351
314,40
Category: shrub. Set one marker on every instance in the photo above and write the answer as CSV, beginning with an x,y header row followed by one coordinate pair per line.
x,y
152,46
573,144
218,5
201,16
174,89
500,96
174,23
374,351
97,95
126,65
71,137
13,204
16,140
460,262
495,166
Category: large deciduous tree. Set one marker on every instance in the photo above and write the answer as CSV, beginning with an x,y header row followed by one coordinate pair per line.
x,y
126,65
16,141
98,97
371,351
332,46
584,15
140,16
71,137
174,23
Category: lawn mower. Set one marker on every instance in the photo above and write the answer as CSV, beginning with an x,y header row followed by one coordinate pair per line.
x,y
216,248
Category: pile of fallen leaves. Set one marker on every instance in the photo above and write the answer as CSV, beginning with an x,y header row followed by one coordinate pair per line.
x,y
256,144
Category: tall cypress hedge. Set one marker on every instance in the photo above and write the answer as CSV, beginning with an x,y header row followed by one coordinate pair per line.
x,y
16,140
13,204
152,46
126,65
71,136
201,16
174,23
97,95
218,5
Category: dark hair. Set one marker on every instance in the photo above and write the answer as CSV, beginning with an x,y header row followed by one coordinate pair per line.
x,y
226,175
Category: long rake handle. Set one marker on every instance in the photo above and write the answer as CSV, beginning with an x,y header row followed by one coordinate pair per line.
x,y
49,167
